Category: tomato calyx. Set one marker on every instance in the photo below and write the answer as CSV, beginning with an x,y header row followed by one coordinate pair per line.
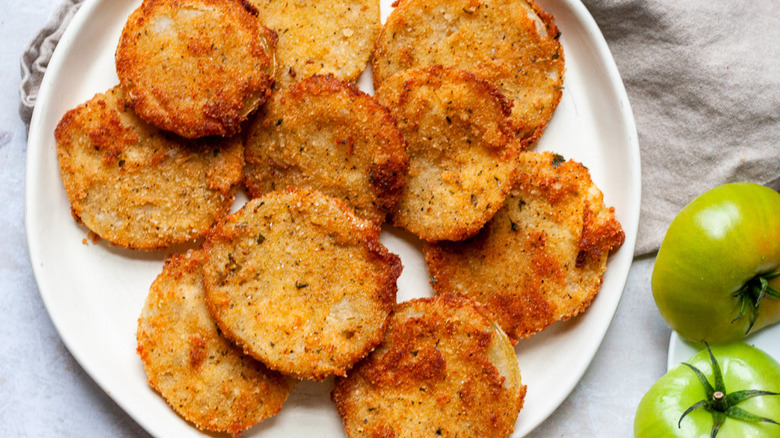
x,y
752,293
723,405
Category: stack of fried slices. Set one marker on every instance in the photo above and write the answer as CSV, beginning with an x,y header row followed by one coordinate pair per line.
x,y
219,95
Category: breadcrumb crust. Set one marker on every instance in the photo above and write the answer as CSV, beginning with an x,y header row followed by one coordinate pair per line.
x,y
300,282
202,376
513,44
321,37
137,187
461,150
324,134
444,368
542,257
196,67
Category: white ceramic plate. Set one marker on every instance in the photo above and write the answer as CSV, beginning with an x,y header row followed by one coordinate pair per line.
x,y
94,292
767,339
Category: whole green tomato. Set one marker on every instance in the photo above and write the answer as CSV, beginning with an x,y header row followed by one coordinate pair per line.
x,y
716,273
729,390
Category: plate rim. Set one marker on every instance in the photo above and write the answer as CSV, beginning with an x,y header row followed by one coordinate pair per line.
x,y
631,227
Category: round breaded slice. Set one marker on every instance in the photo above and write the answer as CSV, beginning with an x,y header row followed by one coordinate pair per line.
x,y
300,282
326,135
196,67
462,154
511,43
321,37
542,257
444,369
203,377
137,187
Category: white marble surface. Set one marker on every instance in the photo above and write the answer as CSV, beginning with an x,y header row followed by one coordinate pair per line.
x,y
44,392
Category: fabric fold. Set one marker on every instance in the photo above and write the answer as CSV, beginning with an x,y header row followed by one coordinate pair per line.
x,y
36,57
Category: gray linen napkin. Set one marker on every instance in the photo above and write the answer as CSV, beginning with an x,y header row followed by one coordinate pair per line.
x,y
703,78
36,58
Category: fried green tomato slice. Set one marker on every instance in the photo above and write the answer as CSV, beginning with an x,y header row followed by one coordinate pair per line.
x,y
462,154
203,377
326,135
300,282
321,37
196,67
444,369
542,257
137,187
511,43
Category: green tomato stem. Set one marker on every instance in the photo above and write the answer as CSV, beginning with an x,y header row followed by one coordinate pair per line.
x,y
721,404
719,401
752,293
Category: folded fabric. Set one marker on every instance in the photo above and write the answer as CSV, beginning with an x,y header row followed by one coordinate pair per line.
x,y
37,55
703,79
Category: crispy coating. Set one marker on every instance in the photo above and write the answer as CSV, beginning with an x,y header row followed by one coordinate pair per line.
x,y
542,256
300,282
444,369
196,67
511,43
321,37
137,187
462,154
326,135
203,377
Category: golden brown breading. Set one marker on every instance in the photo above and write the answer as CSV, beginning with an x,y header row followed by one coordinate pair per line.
x,y
137,187
444,369
321,37
300,282
462,154
196,67
542,256
511,43
202,376
326,135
